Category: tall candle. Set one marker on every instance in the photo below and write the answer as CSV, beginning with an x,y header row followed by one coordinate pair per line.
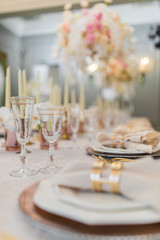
x,y
24,83
51,89
66,93
8,89
55,94
38,89
20,90
82,96
73,96
60,97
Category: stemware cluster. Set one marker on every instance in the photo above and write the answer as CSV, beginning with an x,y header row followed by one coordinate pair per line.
x,y
51,119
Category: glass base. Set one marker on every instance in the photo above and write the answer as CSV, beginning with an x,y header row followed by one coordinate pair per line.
x,y
23,173
48,170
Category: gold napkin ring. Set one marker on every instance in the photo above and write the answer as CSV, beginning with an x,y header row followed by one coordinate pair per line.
x,y
114,177
113,180
118,140
96,175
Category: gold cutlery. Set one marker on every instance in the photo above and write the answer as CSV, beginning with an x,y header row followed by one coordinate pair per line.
x,y
113,159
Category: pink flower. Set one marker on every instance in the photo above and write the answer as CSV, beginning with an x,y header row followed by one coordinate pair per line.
x,y
90,27
91,38
85,12
98,25
98,16
122,63
65,27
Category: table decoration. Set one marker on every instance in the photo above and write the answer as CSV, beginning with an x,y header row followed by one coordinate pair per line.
x,y
51,120
44,145
22,112
24,83
4,115
95,40
73,96
20,84
51,89
11,143
137,180
111,153
74,120
65,135
148,142
6,121
137,134
64,228
91,120
38,89
8,89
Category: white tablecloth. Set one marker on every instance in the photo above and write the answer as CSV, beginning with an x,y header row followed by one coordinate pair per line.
x,y
12,220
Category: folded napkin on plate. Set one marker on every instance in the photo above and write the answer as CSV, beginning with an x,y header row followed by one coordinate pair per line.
x,y
134,125
139,180
147,141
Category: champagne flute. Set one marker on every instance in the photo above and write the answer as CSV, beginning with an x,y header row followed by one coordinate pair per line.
x,y
51,120
22,112
91,121
74,120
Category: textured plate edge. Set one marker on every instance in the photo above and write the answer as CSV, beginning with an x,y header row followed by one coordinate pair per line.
x,y
79,236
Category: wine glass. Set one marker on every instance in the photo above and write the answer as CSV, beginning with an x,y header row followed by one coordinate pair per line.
x,y
74,120
22,112
91,118
51,120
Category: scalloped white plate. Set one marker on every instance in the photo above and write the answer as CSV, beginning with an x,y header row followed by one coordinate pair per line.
x,y
103,149
47,198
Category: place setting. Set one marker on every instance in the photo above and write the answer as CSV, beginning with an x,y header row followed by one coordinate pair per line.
x,y
79,120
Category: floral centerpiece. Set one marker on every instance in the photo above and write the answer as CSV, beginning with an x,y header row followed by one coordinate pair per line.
x,y
122,69
98,36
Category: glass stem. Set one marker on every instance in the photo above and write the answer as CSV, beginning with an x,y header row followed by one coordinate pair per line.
x,y
23,156
51,154
74,138
90,138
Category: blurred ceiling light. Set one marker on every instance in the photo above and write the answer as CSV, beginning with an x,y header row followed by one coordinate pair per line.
x,y
92,68
144,66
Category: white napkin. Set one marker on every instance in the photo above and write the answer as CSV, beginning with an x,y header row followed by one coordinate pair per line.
x,y
139,180
146,141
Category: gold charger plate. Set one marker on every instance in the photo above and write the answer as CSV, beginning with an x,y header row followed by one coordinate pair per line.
x,y
90,151
62,227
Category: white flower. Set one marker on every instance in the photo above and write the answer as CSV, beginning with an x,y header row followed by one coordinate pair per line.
x,y
4,115
9,124
35,111
39,105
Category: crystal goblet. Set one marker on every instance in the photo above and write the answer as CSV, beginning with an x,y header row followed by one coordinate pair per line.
x,y
51,120
91,121
74,120
22,112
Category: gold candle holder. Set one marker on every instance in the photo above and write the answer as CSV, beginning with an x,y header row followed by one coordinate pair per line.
x,y
65,135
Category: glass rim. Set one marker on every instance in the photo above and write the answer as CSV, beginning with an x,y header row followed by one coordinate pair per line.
x,y
22,98
51,108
